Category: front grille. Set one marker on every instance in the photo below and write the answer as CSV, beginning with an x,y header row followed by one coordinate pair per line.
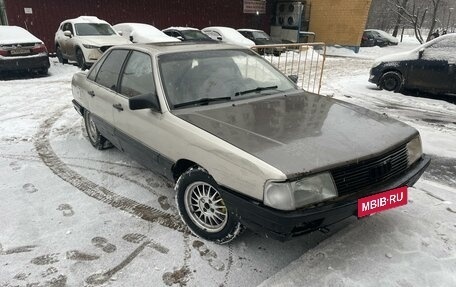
x,y
104,48
359,176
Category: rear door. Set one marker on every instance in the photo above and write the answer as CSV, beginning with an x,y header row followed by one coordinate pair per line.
x,y
432,71
104,92
140,131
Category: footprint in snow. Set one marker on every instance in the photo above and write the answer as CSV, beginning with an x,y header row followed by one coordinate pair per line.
x,y
30,188
209,255
104,244
66,209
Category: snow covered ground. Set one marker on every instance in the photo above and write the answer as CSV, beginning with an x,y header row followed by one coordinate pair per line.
x,y
74,216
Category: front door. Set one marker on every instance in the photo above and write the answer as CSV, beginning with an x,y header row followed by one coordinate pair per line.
x,y
140,131
431,71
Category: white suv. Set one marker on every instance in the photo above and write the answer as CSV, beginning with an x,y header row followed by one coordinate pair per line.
x,y
84,39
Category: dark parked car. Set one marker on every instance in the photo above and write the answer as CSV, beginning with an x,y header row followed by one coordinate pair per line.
x,y
372,37
187,34
21,51
262,38
243,144
430,67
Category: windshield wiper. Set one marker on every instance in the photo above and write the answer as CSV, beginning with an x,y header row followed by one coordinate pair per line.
x,y
258,89
203,101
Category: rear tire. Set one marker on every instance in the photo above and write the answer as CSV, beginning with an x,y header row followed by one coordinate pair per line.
x,y
203,209
391,81
96,139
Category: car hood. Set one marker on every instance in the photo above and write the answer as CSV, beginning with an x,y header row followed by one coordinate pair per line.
x,y
302,133
104,40
403,56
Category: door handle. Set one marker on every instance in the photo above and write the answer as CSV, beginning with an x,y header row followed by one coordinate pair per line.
x,y
91,93
118,107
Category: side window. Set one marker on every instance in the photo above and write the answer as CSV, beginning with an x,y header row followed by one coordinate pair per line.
x,y
96,67
108,73
68,27
137,78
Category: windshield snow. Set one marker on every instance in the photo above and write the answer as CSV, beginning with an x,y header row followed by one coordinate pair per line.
x,y
93,29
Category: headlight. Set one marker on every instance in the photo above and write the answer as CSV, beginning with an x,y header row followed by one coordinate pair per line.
x,y
90,46
293,195
414,150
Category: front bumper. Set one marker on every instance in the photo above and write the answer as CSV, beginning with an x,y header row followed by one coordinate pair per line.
x,y
24,63
374,76
283,225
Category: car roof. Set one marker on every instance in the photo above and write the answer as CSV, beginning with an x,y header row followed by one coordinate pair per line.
x,y
178,47
250,30
180,28
131,24
86,19
219,28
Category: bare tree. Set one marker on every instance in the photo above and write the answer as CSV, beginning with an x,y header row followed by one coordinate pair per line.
x,y
418,14
400,14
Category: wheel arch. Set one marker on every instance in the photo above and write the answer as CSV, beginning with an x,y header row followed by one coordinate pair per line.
x,y
181,166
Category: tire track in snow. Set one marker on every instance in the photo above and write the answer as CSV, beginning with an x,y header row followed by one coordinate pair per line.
x,y
59,168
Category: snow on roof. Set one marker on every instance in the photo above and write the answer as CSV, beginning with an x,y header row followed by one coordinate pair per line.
x,y
226,31
16,35
384,34
145,33
442,52
250,30
180,28
140,27
86,19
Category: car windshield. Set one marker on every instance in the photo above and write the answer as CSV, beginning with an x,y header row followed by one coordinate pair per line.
x,y
194,35
94,29
207,77
260,35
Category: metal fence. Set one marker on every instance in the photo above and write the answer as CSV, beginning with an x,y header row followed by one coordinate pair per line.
x,y
302,61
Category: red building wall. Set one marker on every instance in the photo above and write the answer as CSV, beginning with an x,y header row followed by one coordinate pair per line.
x,y
48,14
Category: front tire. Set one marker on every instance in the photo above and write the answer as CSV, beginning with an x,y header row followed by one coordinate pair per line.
x,y
203,209
391,81
62,60
96,139
81,60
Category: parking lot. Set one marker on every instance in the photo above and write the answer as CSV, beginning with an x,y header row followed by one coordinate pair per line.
x,y
75,216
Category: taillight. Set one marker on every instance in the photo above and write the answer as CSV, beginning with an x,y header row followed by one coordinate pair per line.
x,y
39,48
3,52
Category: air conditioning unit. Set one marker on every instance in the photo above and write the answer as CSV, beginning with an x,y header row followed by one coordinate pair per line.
x,y
288,14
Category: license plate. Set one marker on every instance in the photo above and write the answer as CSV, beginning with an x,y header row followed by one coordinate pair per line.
x,y
382,201
19,51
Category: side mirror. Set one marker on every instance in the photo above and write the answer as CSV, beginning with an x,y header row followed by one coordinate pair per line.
x,y
120,33
146,101
67,33
219,38
294,78
131,38
420,53
180,38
